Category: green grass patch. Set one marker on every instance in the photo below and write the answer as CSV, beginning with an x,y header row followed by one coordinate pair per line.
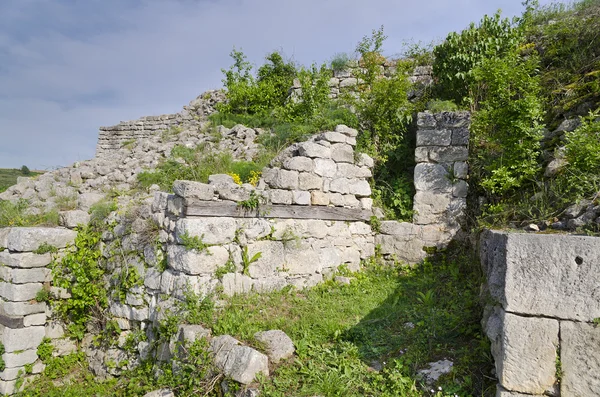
x,y
17,214
8,176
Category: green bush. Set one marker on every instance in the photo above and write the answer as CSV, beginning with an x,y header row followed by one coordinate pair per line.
x,y
340,61
17,214
456,58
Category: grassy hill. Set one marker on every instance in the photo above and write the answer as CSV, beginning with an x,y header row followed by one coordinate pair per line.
x,y
8,177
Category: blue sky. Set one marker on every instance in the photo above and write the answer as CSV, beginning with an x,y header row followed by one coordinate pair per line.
x,y
70,66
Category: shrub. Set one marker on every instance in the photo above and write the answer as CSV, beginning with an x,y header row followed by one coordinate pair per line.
x,y
340,61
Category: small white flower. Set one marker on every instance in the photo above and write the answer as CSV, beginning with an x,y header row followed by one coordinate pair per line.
x,y
440,388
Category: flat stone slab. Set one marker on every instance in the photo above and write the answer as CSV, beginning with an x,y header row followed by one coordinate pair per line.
x,y
28,239
278,345
580,359
547,275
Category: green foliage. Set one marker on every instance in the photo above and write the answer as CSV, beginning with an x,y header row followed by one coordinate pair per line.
x,y
81,273
506,130
197,165
66,203
194,243
458,56
45,248
126,279
18,214
251,203
43,295
25,170
100,211
8,177
437,106
197,309
339,62
314,95
247,260
45,349
2,351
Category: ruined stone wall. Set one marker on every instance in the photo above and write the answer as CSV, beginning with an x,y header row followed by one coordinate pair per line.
x,y
544,300
441,188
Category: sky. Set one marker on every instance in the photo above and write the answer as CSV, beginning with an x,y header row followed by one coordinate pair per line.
x,y
68,67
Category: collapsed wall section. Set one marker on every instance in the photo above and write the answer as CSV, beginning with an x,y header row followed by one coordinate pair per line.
x,y
544,305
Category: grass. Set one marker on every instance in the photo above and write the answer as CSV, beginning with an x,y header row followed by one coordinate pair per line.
x,y
398,318
16,214
8,177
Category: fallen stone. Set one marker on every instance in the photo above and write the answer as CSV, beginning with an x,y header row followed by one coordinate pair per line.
x,y
160,393
240,363
436,369
278,345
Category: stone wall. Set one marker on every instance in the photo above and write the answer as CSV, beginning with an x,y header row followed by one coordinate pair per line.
x,y
24,321
441,188
544,298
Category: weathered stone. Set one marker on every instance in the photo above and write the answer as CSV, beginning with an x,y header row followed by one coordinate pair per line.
x,y
4,237
319,198
63,347
87,200
460,136
175,205
212,230
236,283
359,187
525,351
218,179
73,218
270,284
366,203
128,312
300,197
278,345
193,190
580,359
19,292
340,185
285,179
271,258
34,319
364,160
350,201
333,137
460,189
426,120
18,339
447,154
351,132
160,393
256,228
342,153
422,154
301,260
432,177
434,137
461,170
336,199
314,150
453,119
436,369
24,276
543,275
233,192
430,207
21,308
325,167
240,363
194,262
299,164
189,333
278,196
20,359
409,250
309,181
502,392
23,239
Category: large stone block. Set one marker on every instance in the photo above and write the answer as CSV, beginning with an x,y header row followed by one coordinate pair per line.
x,y
429,207
193,190
285,179
434,137
21,308
543,274
271,258
342,153
24,260
236,283
4,237
278,345
19,339
194,262
19,359
299,164
74,218
403,248
240,363
447,154
212,230
24,239
525,351
580,359
309,181
359,187
314,150
19,292
301,260
325,167
432,177
24,276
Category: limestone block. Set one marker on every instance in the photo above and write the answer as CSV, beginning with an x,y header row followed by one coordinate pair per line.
x,y
359,187
236,283
175,205
426,120
453,119
432,177
23,239
502,392
351,132
309,181
159,202
364,160
319,198
212,230
128,312
63,347
340,185
346,170
87,200
339,229
430,207
360,228
300,197
461,169
19,292
330,257
422,154
333,137
20,359
194,262
218,179
189,333
409,250
152,278
18,339
348,82
278,196
350,255
270,284
298,163
405,229
233,192
524,349
193,190
315,228
21,308
580,359
460,136
460,189
285,179
73,218
255,228
34,319
325,167
271,259
441,137
278,345
4,237
160,393
240,363
314,150
301,260
342,153
543,274
54,329
447,154
350,201
24,276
